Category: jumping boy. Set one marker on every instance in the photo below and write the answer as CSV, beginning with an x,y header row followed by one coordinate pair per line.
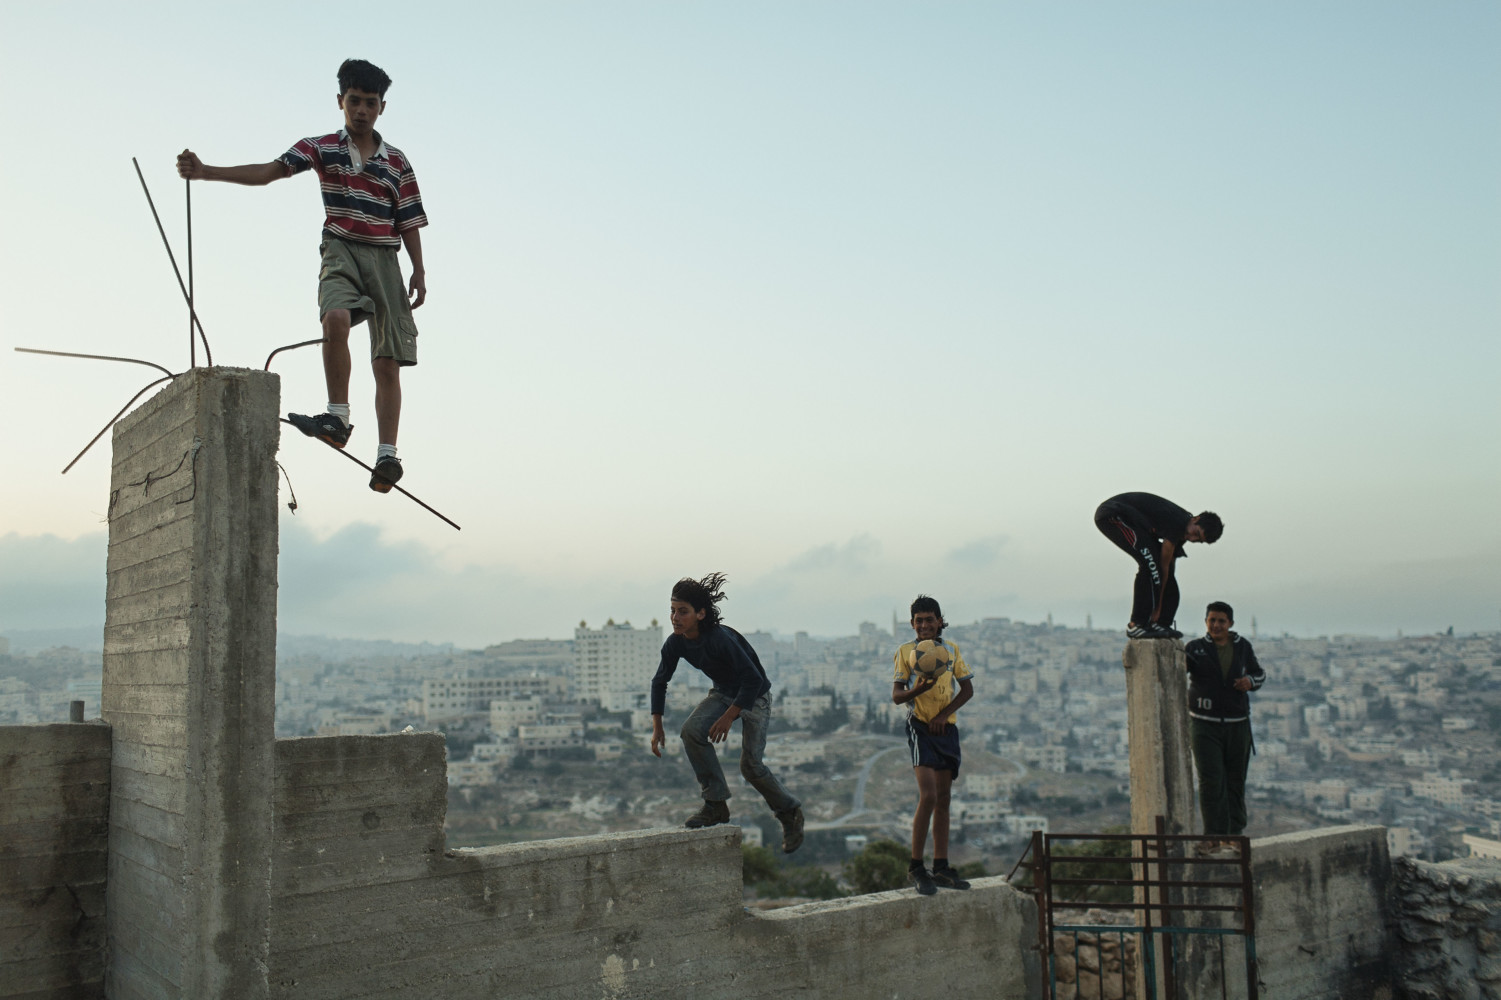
x,y
741,691
373,207
1152,531
933,739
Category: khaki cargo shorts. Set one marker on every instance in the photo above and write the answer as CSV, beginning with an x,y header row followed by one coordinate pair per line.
x,y
366,280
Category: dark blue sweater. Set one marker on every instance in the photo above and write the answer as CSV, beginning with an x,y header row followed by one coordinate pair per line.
x,y
723,655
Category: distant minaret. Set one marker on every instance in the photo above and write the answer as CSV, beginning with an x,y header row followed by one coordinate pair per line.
x,y
1253,626
1050,619
1089,621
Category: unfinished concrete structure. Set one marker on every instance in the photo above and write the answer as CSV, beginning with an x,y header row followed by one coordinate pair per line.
x,y
1157,723
178,850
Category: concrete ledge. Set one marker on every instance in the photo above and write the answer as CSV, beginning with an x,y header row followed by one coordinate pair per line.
x,y
366,903
1323,921
864,946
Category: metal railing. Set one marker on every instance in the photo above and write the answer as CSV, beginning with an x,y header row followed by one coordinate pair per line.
x,y
1176,892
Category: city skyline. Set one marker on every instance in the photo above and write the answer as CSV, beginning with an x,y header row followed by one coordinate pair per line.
x,y
847,304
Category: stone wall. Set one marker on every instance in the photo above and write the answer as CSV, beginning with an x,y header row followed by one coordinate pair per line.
x,y
54,839
366,903
1448,936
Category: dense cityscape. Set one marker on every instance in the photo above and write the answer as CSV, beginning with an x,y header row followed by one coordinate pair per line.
x,y
548,738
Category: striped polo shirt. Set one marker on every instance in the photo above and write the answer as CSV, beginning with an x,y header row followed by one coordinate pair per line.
x,y
370,202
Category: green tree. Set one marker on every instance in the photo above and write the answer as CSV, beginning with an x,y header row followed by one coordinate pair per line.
x,y
1095,869
757,864
881,866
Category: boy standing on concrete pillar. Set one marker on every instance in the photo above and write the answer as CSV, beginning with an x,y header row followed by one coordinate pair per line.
x,y
933,740
741,691
372,208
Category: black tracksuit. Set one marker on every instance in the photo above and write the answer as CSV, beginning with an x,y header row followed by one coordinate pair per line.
x,y
1139,523
1220,725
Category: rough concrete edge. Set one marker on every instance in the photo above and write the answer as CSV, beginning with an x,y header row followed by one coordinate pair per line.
x,y
1292,842
540,851
982,887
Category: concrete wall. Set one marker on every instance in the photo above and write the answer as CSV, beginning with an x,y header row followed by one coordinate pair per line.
x,y
1323,921
367,904
54,801
1448,916
189,686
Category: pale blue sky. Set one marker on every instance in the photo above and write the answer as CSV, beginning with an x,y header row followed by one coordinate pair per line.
x,y
847,300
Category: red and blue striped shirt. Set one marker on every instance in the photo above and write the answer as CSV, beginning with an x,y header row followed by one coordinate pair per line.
x,y
374,203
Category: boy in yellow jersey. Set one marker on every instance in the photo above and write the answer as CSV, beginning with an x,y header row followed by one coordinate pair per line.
x,y
934,741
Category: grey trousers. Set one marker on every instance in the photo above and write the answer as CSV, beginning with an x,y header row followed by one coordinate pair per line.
x,y
753,726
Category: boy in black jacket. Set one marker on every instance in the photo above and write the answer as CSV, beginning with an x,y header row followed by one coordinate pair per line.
x,y
1222,669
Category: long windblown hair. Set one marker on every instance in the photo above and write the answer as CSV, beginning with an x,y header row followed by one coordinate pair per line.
x,y
704,595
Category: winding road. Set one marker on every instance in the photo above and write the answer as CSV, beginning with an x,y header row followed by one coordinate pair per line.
x,y
857,807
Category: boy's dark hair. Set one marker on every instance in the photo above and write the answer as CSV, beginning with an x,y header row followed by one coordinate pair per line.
x,y
1220,606
362,75
1212,525
704,595
926,603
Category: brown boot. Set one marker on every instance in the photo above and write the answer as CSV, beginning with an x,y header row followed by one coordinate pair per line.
x,y
792,829
712,814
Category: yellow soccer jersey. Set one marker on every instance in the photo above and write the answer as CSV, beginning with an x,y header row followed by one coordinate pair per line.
x,y
930,702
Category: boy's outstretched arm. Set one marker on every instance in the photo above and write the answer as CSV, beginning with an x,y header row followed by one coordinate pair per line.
x,y
412,239
190,167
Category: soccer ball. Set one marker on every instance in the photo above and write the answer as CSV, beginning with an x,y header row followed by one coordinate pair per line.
x,y
931,658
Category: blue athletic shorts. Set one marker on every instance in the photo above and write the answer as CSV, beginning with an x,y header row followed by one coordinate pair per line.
x,y
941,753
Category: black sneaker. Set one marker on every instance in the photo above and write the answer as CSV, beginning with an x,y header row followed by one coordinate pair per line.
x,y
325,427
712,814
1156,631
1135,631
948,877
387,474
792,828
922,881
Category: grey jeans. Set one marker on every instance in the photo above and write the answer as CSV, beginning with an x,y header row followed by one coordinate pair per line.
x,y
753,726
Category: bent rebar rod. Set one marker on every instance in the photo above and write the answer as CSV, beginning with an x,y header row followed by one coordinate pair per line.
x,y
112,420
290,347
398,489
95,357
192,315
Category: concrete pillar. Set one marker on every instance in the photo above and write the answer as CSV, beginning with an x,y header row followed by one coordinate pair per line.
x,y
1161,769
189,687
1157,721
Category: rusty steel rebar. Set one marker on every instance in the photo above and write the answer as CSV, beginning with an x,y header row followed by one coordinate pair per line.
x,y
431,510
290,347
192,314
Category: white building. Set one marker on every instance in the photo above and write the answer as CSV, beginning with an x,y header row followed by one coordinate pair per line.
x,y
613,666
1482,847
1437,788
452,697
506,714
471,772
